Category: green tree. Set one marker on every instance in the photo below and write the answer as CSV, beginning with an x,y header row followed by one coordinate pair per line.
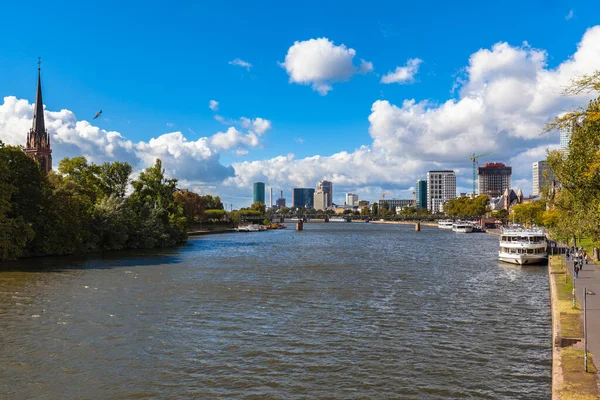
x,y
15,233
115,177
258,206
192,204
577,204
159,221
374,209
364,211
529,213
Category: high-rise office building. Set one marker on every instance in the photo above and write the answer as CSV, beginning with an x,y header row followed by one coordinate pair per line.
x,y
565,138
421,193
351,199
542,177
320,200
441,187
494,179
303,198
259,192
327,188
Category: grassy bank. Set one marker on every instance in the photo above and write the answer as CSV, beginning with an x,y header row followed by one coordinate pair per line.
x,y
570,381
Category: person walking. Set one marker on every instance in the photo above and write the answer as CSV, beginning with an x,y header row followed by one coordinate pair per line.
x,y
576,270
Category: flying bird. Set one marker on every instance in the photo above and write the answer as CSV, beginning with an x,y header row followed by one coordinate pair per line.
x,y
99,113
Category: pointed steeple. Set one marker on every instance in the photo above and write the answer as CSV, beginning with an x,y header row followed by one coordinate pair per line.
x,y
38,112
38,139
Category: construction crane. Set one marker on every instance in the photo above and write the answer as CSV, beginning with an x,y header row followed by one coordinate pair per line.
x,y
383,194
475,165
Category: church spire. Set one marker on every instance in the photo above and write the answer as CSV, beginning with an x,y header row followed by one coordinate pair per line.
x,y
38,112
38,139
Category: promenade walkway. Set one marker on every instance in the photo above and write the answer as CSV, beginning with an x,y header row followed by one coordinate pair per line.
x,y
589,278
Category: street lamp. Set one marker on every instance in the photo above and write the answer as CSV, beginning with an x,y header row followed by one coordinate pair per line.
x,y
585,358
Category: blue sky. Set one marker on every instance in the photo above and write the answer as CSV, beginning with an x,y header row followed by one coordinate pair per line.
x,y
149,64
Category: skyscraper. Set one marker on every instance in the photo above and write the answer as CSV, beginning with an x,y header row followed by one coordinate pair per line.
x,y
565,138
320,200
421,193
303,198
38,139
327,188
494,179
542,177
441,187
351,199
259,192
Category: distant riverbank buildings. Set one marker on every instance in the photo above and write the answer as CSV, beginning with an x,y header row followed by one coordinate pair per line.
x,y
421,194
259,192
303,198
543,177
494,179
441,187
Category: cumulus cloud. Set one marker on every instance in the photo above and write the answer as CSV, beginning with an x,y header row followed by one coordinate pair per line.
x,y
241,63
196,162
213,105
365,66
506,96
319,63
404,74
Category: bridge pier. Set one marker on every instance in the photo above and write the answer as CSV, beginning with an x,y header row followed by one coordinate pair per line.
x,y
418,227
300,225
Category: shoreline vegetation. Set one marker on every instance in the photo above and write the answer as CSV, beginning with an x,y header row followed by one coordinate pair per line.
x,y
83,207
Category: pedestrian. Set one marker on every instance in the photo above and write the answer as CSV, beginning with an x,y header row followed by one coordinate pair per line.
x,y
580,263
567,254
576,270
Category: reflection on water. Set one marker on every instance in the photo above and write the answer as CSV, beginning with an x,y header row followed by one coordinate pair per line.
x,y
337,311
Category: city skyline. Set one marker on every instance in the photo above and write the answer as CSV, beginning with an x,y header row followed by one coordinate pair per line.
x,y
373,114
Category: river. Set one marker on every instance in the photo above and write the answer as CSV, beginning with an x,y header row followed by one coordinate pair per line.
x,y
338,311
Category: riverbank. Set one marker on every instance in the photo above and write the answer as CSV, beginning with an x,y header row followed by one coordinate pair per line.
x,y
569,380
434,224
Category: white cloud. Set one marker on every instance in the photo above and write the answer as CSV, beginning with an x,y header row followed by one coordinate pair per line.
x,y
569,15
319,63
170,124
299,140
404,74
365,66
257,125
195,162
507,95
213,105
241,63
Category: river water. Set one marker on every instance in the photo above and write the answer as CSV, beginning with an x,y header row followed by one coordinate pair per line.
x,y
338,311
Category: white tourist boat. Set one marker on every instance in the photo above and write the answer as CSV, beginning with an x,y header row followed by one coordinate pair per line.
x,y
249,228
523,246
445,224
462,227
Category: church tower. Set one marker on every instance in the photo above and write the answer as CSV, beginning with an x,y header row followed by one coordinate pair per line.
x,y
38,139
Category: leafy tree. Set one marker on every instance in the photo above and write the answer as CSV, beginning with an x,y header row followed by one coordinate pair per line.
x,y
374,209
258,206
115,178
192,204
466,207
529,213
364,211
156,210
577,204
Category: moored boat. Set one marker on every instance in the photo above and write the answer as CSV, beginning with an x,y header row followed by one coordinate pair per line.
x,y
462,227
523,246
445,224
